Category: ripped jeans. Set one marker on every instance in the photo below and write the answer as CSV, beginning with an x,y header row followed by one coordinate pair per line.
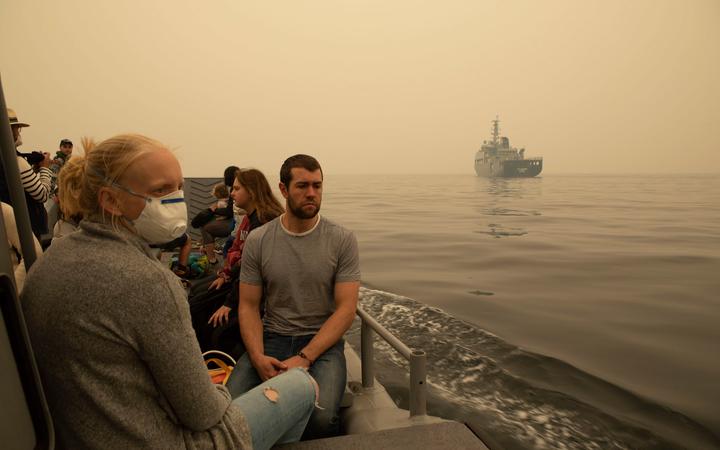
x,y
328,370
278,410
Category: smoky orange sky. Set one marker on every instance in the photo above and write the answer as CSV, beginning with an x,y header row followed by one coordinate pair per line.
x,y
400,86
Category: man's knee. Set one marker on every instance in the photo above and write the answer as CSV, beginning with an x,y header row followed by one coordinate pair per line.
x,y
322,423
325,421
243,377
330,372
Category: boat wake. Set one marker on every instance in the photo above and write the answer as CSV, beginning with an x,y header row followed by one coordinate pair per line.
x,y
520,399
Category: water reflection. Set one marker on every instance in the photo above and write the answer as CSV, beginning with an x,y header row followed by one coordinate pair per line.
x,y
507,198
498,231
511,187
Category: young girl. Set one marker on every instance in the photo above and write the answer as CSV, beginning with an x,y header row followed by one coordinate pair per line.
x,y
220,192
219,227
251,192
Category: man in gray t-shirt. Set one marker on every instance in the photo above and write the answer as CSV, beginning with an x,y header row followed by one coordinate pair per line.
x,y
306,270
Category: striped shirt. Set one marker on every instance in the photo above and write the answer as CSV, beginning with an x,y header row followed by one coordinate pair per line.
x,y
37,185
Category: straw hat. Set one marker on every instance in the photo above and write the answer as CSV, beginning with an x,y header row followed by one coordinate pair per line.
x,y
14,119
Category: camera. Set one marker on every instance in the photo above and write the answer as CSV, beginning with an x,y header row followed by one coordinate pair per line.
x,y
33,157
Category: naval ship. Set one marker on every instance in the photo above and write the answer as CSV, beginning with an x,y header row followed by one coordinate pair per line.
x,y
497,159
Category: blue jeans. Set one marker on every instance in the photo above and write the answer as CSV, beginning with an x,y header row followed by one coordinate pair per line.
x,y
329,371
283,420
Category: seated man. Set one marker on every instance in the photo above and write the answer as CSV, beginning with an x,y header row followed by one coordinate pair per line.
x,y
306,270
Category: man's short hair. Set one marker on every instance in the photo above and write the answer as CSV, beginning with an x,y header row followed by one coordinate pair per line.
x,y
306,162
66,143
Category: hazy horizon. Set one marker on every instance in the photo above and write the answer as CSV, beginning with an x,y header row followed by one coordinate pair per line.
x,y
374,87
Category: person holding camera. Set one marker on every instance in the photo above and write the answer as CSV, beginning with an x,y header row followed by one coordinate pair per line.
x,y
35,176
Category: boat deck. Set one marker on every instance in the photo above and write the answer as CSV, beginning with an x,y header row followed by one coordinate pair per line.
x,y
436,436
371,418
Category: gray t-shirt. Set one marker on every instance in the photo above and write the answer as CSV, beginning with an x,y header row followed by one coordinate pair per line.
x,y
298,273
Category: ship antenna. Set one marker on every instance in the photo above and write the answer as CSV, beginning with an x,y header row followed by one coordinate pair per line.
x,y
496,129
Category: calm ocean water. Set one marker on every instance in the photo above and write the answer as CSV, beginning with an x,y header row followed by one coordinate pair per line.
x,y
559,311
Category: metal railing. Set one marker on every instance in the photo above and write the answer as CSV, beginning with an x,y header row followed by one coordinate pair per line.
x,y
15,188
417,359
18,369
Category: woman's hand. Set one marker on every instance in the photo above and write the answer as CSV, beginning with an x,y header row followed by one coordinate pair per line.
x,y
217,284
220,317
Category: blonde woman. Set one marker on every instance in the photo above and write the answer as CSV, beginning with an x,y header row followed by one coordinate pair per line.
x,y
111,328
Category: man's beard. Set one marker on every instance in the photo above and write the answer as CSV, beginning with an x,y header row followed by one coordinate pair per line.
x,y
298,211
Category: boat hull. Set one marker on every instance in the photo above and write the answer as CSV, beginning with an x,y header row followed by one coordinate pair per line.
x,y
511,168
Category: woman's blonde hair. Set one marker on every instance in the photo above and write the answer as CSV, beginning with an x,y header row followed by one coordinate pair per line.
x,y
81,178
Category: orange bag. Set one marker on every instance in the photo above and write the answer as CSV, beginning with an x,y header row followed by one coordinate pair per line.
x,y
219,369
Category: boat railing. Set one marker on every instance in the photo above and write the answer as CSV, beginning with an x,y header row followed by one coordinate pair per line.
x,y
416,358
25,420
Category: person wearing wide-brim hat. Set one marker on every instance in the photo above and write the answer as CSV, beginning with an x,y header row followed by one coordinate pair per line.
x,y
14,122
16,126
35,183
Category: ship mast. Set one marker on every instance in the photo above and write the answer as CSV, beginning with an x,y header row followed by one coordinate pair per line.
x,y
496,129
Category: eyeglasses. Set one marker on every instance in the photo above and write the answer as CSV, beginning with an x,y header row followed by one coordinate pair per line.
x,y
163,201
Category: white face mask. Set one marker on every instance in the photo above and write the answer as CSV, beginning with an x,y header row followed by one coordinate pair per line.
x,y
163,218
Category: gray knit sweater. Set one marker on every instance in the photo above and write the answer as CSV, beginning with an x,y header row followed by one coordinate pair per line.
x,y
119,361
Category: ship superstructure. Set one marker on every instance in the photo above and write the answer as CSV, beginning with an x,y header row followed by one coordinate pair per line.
x,y
496,158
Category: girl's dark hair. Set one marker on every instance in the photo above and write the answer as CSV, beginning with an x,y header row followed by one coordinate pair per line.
x,y
229,175
266,204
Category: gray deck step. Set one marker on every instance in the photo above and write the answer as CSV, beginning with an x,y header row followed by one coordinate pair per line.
x,y
437,436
